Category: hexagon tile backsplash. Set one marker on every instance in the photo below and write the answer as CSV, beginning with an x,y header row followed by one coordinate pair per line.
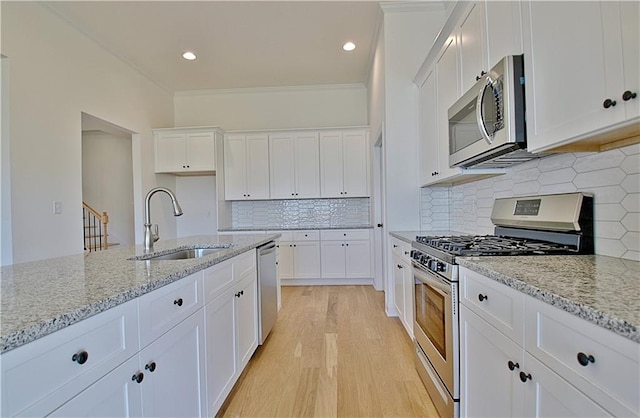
x,y
613,177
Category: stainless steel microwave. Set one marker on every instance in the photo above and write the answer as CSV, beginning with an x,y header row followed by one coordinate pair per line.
x,y
487,124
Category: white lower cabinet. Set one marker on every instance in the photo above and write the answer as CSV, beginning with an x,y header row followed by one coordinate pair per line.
x,y
402,282
117,394
299,255
345,254
522,357
173,368
231,330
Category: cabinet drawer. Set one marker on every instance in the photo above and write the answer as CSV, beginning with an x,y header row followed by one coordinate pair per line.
x,y
344,234
306,236
164,308
557,338
244,264
216,279
497,303
401,248
38,377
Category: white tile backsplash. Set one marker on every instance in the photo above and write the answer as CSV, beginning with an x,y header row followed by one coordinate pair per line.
x,y
613,177
303,213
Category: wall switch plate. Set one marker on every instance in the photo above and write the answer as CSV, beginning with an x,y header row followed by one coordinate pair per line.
x,y
57,207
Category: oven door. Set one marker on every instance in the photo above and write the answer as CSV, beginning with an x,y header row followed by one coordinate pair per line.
x,y
436,324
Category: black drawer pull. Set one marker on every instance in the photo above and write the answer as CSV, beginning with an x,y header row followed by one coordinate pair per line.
x,y
482,297
178,302
608,103
585,359
525,376
151,366
81,357
512,366
138,377
628,95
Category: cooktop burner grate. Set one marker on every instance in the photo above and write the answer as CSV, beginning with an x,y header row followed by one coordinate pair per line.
x,y
470,245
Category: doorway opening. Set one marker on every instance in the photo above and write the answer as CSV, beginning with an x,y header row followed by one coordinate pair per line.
x,y
108,181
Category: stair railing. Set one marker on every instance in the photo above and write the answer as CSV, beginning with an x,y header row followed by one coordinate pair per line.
x,y
95,228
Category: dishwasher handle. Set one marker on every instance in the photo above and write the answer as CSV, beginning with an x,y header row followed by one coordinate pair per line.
x,y
267,248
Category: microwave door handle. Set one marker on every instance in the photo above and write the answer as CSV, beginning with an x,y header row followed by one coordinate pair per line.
x,y
479,119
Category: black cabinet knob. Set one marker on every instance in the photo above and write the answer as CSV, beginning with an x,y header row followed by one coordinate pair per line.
x,y
585,359
608,103
628,95
525,376
237,294
150,366
399,266
482,297
138,377
379,225
80,357
178,302
512,366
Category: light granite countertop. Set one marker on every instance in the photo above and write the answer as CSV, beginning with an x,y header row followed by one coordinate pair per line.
x,y
602,290
41,297
295,228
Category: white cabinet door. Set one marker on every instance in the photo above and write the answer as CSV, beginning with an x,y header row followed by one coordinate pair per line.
x,y
331,174
176,385
246,300
307,165
246,159
201,151
503,30
567,85
306,260
333,259
115,395
235,167
630,26
285,260
282,163
358,259
221,361
398,286
170,152
448,91
548,395
472,46
185,150
257,167
429,139
488,386
356,164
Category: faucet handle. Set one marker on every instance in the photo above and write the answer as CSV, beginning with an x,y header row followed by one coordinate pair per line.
x,y
155,236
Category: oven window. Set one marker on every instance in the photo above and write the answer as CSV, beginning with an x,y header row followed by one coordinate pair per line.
x,y
430,315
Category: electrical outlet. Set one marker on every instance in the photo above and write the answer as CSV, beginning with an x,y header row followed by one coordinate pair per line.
x,y
57,207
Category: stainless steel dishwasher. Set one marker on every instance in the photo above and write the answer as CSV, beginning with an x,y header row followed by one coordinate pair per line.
x,y
267,284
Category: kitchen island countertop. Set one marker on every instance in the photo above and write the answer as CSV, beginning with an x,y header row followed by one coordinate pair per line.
x,y
41,297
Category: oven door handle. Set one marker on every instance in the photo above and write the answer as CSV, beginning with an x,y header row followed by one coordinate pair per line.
x,y
430,279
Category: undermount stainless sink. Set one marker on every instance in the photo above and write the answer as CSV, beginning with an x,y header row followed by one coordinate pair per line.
x,y
183,254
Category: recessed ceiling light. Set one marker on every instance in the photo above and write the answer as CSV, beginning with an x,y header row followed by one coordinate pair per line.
x,y
189,56
349,46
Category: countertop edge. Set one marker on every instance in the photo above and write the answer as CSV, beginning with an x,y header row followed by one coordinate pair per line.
x,y
609,322
31,333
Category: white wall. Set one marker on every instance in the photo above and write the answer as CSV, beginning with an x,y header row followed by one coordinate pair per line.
x,y
197,196
6,235
409,32
57,73
273,108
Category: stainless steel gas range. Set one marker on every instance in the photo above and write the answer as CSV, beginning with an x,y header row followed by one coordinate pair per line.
x,y
531,225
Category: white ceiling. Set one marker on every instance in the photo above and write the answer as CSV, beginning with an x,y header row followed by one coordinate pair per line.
x,y
239,44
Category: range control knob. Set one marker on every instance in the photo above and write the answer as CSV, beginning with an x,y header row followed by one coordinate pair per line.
x,y
440,266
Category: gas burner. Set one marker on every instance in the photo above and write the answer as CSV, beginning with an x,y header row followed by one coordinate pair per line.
x,y
476,245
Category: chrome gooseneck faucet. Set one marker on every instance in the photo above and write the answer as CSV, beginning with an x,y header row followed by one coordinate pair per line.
x,y
151,237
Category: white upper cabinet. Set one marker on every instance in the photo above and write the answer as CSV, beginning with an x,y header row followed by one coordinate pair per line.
x,y
429,140
185,150
344,164
488,32
581,59
294,165
246,161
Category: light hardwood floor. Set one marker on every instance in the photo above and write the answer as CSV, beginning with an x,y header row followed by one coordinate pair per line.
x,y
332,352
